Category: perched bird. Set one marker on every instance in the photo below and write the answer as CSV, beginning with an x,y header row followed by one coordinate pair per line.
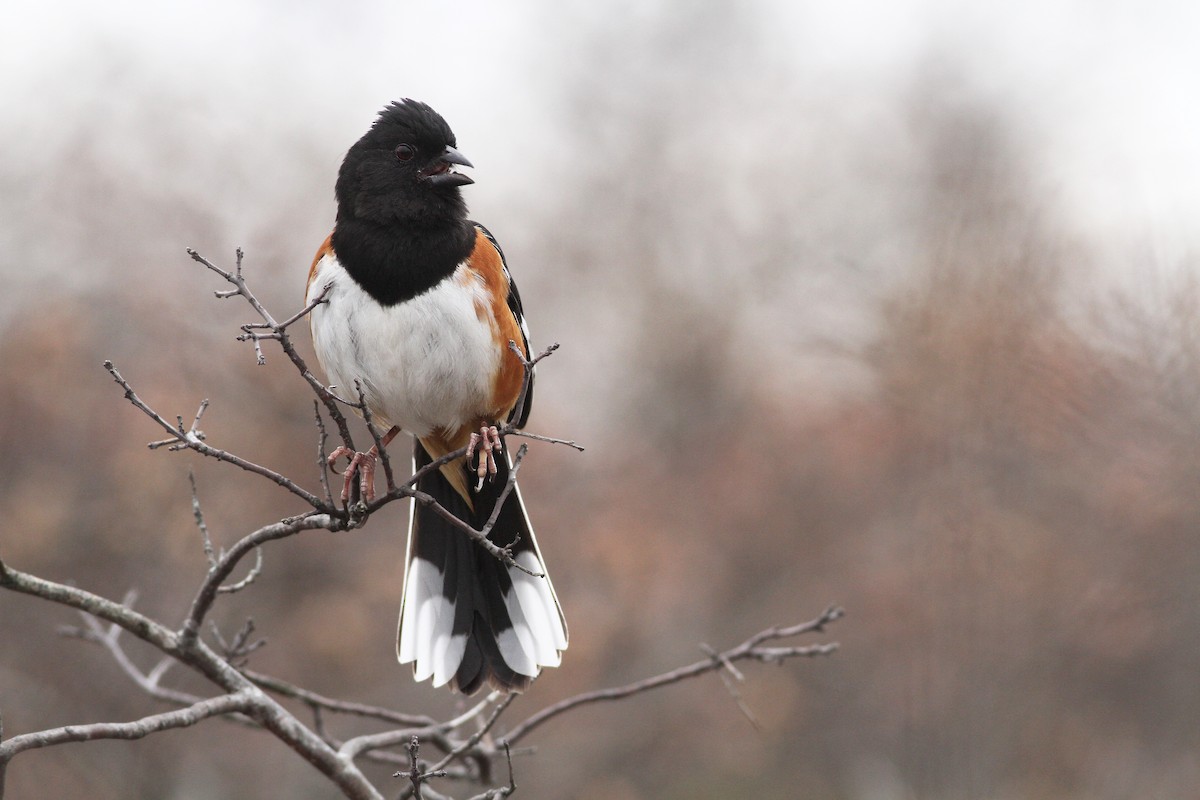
x,y
420,310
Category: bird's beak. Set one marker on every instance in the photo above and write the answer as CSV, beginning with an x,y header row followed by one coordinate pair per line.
x,y
441,172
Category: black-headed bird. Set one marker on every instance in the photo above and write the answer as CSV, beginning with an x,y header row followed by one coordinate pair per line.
x,y
420,311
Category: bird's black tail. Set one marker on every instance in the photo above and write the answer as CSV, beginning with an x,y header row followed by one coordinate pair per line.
x,y
466,618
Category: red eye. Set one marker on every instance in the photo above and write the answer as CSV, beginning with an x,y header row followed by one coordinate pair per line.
x,y
404,152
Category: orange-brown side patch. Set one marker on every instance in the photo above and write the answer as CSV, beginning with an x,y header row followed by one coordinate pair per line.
x,y
325,249
485,262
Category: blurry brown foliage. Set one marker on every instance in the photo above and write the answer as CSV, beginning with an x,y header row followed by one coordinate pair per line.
x,y
820,349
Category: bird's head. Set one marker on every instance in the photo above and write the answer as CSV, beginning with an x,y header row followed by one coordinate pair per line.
x,y
403,170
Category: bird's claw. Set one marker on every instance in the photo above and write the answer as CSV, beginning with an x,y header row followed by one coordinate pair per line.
x,y
487,444
361,463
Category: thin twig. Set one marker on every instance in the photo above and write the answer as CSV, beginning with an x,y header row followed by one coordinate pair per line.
x,y
192,441
526,384
376,437
353,748
478,735
109,639
501,791
322,457
480,536
225,564
285,342
210,553
748,649
502,554
304,312
285,689
509,486
254,572
731,676
237,651
198,514
548,439
174,444
415,774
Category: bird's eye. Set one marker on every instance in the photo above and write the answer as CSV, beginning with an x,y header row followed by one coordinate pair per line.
x,y
404,152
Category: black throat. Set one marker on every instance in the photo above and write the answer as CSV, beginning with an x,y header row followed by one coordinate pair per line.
x,y
394,263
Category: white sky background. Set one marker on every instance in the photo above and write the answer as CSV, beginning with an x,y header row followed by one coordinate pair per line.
x,y
1107,94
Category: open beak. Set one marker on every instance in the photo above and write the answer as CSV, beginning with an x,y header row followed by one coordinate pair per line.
x,y
442,173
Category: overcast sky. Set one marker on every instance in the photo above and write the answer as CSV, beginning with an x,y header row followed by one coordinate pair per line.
x,y
1106,92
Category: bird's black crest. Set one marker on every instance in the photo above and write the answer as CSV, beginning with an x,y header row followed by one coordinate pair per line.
x,y
397,234
412,118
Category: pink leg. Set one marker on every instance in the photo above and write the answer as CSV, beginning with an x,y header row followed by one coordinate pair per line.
x,y
487,442
364,465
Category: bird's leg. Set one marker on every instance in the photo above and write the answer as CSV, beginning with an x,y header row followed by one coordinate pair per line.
x,y
364,465
487,443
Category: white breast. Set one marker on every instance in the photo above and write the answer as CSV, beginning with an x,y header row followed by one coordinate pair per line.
x,y
424,363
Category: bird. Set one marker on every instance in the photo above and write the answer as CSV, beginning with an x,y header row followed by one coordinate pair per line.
x,y
414,305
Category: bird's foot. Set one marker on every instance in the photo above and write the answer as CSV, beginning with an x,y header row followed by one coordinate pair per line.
x,y
361,463
486,444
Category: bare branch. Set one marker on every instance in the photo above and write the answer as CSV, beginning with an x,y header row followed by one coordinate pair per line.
x,y
139,625
312,699
263,710
304,312
237,652
179,718
478,735
173,444
502,554
359,745
506,551
548,439
254,572
430,467
322,456
226,563
338,764
210,553
193,441
369,419
749,649
285,342
527,383
415,774
731,676
501,791
198,514
110,641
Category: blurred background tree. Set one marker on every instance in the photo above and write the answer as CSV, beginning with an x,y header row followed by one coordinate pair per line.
x,y
887,304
